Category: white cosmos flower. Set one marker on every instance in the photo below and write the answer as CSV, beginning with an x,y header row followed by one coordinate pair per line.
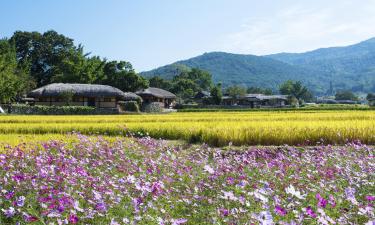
x,y
292,191
209,169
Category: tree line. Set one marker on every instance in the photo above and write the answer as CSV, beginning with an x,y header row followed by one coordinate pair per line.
x,y
30,60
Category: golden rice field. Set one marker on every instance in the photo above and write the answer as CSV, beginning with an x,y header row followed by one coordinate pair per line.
x,y
214,128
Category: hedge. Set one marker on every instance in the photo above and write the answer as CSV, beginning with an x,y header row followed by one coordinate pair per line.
x,y
57,110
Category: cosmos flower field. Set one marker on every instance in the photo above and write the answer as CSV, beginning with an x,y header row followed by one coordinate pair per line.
x,y
148,181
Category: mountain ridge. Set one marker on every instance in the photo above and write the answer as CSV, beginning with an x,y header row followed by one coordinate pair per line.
x,y
347,67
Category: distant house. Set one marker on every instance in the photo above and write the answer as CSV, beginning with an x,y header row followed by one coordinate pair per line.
x,y
95,95
257,100
371,101
202,96
165,98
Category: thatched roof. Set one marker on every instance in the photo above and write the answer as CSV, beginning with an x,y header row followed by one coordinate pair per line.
x,y
157,92
86,90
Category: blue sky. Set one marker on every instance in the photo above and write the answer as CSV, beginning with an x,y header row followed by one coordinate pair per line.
x,y
152,33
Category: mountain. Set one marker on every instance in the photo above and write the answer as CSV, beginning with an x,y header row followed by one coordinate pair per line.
x,y
351,67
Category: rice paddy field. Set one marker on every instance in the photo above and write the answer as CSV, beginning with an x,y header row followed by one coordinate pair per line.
x,y
254,168
213,128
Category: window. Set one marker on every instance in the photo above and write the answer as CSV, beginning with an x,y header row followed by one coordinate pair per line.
x,y
107,99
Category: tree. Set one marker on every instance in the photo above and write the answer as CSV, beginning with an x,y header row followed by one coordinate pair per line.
x,y
297,90
258,90
185,88
13,79
236,91
159,82
42,52
370,96
201,78
121,74
216,94
346,95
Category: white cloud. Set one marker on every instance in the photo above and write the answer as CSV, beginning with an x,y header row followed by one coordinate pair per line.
x,y
305,27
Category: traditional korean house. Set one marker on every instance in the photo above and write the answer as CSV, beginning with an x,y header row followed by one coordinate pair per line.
x,y
165,98
257,100
95,95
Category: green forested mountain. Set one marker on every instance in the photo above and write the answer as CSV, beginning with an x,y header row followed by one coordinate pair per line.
x,y
351,67
246,70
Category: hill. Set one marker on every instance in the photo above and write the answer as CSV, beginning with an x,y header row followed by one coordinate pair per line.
x,y
351,67
247,70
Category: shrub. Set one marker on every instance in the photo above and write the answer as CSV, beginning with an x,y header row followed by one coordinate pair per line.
x,y
153,107
130,106
58,110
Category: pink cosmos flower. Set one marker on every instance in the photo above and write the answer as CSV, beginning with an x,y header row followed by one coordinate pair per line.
x,y
310,212
224,212
73,219
280,210
321,201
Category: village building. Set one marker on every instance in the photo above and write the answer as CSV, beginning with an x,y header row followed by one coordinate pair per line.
x,y
202,97
257,100
165,98
371,101
94,95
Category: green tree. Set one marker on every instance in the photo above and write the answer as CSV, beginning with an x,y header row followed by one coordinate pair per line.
x,y
121,74
13,79
42,52
258,90
236,91
79,68
346,95
297,90
201,78
216,94
370,96
185,88
159,82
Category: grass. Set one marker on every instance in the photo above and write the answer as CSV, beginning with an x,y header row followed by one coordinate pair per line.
x,y
215,128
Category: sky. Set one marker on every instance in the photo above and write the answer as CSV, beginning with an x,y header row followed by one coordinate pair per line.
x,y
153,33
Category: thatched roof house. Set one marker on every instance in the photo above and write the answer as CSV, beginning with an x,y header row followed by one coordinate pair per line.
x,y
101,96
151,94
257,100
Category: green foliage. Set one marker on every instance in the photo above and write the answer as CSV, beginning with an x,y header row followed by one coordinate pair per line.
x,y
370,96
297,90
159,82
121,74
153,107
236,91
346,95
58,110
13,79
216,94
130,106
67,97
185,84
244,70
52,57
258,90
